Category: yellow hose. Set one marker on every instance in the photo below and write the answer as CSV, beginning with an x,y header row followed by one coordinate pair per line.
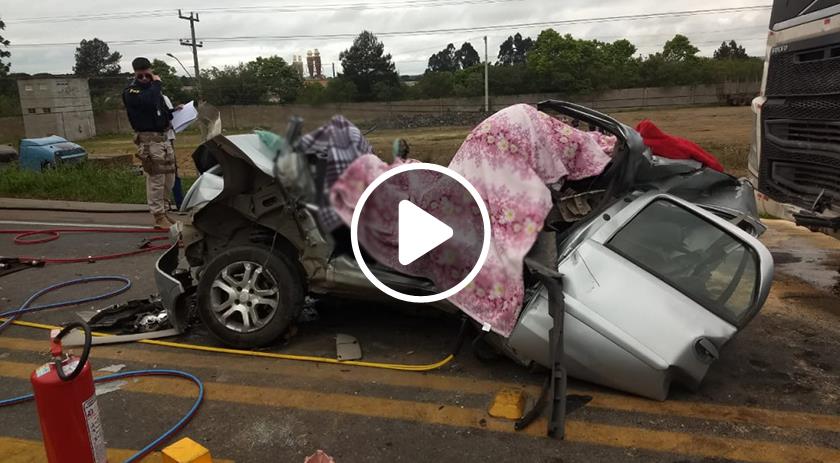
x,y
250,353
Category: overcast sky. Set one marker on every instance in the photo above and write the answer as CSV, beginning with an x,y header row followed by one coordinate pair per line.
x,y
30,22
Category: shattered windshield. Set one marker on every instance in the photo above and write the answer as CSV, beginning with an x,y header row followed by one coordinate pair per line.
x,y
694,256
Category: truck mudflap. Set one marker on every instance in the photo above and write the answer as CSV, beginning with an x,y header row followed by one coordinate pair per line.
x,y
170,287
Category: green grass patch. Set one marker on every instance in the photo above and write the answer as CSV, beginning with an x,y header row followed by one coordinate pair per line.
x,y
85,182
733,156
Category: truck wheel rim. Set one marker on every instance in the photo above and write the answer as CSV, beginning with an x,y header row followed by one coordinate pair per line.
x,y
244,297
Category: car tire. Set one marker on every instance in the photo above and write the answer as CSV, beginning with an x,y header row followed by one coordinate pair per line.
x,y
235,298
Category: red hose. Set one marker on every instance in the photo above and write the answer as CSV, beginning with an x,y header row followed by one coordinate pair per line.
x,y
53,234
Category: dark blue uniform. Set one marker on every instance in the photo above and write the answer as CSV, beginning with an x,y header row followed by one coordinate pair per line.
x,y
149,117
146,109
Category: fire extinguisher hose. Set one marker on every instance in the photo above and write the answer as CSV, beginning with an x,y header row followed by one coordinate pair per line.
x,y
163,438
85,350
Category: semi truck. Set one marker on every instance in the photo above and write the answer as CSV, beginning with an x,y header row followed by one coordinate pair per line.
x,y
795,156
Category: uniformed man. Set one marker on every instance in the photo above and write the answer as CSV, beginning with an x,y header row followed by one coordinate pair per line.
x,y
150,118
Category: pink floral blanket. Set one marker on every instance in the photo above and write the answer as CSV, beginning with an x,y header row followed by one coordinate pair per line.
x,y
510,158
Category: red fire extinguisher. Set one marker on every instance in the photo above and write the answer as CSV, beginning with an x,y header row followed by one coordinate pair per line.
x,y
66,401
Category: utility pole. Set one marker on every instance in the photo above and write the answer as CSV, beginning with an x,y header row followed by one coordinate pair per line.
x,y
193,18
486,79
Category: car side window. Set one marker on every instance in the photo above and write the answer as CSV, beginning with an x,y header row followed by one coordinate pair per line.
x,y
693,255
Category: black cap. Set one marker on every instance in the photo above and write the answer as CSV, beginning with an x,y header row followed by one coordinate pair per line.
x,y
141,63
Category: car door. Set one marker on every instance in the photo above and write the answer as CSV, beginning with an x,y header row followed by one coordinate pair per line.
x,y
664,282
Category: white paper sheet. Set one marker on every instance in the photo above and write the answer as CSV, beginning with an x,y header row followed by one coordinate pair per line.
x,y
185,117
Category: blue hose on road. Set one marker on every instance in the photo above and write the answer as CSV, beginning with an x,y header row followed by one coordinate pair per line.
x,y
130,374
28,307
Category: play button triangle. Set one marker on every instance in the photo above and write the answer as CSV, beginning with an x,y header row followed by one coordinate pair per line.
x,y
418,232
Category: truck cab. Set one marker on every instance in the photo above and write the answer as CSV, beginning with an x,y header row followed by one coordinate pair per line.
x,y
795,155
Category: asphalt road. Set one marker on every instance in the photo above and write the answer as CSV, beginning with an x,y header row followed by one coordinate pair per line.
x,y
774,396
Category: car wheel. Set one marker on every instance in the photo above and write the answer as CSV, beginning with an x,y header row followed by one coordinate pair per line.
x,y
247,296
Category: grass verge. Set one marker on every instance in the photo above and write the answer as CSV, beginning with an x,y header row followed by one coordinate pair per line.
x,y
84,182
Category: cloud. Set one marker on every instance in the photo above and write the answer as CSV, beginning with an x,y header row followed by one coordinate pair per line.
x,y
159,20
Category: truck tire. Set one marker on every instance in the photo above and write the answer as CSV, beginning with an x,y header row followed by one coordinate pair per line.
x,y
248,296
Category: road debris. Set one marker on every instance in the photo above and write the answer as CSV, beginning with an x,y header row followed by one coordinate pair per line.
x,y
113,368
347,347
107,388
508,404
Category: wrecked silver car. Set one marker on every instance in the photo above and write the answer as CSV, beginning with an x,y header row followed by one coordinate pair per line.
x,y
660,266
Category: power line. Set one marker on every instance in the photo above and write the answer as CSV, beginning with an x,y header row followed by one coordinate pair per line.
x,y
258,9
109,42
635,17
364,6
439,47
564,22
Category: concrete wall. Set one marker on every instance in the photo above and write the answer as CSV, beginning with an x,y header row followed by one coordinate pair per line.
x,y
11,129
113,121
57,106
276,116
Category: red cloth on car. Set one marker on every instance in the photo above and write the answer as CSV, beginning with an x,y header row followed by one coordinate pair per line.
x,y
672,147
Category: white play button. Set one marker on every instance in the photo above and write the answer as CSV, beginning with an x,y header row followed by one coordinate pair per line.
x,y
419,232
422,220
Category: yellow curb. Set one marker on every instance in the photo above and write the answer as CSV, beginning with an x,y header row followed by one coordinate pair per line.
x,y
508,404
186,450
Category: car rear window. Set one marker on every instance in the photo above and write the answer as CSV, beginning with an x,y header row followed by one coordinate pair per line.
x,y
695,256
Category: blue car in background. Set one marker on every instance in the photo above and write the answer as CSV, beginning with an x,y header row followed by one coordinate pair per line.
x,y
48,152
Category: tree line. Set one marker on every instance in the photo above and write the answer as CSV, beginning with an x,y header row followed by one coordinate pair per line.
x,y
555,63
551,63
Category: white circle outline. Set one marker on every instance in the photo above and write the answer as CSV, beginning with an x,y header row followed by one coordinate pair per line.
x,y
485,246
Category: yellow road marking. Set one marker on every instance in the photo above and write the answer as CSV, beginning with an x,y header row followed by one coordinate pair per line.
x,y
167,356
430,413
16,450
32,451
717,412
603,400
